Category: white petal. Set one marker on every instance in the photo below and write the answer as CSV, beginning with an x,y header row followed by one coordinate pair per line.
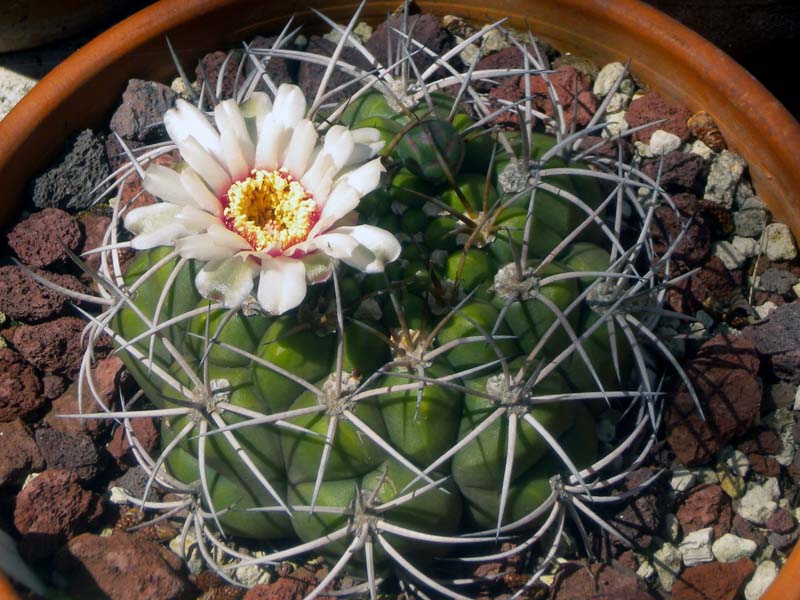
x,y
376,247
222,236
205,165
290,105
201,196
273,139
366,135
335,245
165,183
202,247
366,177
256,107
195,220
343,200
318,267
185,120
282,284
339,145
238,149
229,280
302,144
318,179
154,225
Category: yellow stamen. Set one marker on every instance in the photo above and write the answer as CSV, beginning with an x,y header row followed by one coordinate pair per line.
x,y
270,208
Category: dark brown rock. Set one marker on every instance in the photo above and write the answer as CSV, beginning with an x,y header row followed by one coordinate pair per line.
x,y
573,90
607,148
146,432
115,152
23,298
94,229
70,452
713,581
706,506
794,468
683,222
764,465
40,240
581,580
310,75
724,378
744,529
141,113
51,509
762,441
209,70
69,403
783,542
643,515
20,388
71,182
53,346
280,70
19,454
781,521
287,587
654,107
711,287
122,567
53,386
680,172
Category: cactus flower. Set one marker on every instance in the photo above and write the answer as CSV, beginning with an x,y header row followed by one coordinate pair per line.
x,y
261,196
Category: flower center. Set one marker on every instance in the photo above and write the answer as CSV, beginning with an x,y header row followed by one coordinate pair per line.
x,y
270,210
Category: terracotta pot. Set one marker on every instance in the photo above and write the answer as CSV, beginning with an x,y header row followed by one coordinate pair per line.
x,y
678,63
7,591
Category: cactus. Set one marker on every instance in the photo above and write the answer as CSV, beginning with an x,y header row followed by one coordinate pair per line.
x,y
429,411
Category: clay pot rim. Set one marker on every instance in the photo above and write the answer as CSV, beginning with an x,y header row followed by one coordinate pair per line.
x,y
33,131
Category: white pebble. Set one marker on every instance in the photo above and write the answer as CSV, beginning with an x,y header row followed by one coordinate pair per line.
x,y
617,103
777,242
672,527
667,562
682,480
723,177
702,150
772,487
796,289
728,254
696,547
662,142
615,124
736,461
788,448
706,475
730,548
606,79
757,505
764,310
797,399
747,246
645,570
763,577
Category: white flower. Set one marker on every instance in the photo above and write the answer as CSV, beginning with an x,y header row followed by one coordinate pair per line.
x,y
264,200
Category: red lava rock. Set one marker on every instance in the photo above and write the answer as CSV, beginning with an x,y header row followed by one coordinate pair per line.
x,y
713,581
778,339
53,346
19,454
706,506
573,90
713,285
51,509
40,239
668,224
123,567
653,107
744,529
781,521
580,580
70,452
142,110
724,378
680,172
146,433
643,515
68,404
764,465
132,195
20,388
280,70
209,69
607,148
23,298
115,153
507,92
765,441
94,229
310,75
288,587
426,29
70,183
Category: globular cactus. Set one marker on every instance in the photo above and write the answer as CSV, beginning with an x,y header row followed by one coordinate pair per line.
x,y
393,416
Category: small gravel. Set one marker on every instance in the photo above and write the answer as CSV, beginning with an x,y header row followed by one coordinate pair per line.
x,y
731,547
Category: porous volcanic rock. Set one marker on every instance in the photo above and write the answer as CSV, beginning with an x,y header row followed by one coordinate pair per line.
x,y
40,240
643,515
52,346
712,285
680,172
69,184
288,587
51,509
142,110
146,432
20,387
668,224
778,340
724,377
706,505
713,580
310,75
280,70
69,451
21,297
19,454
122,566
209,69
573,90
580,580
94,229
654,107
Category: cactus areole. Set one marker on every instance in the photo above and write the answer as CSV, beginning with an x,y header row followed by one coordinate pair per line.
x,y
385,331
